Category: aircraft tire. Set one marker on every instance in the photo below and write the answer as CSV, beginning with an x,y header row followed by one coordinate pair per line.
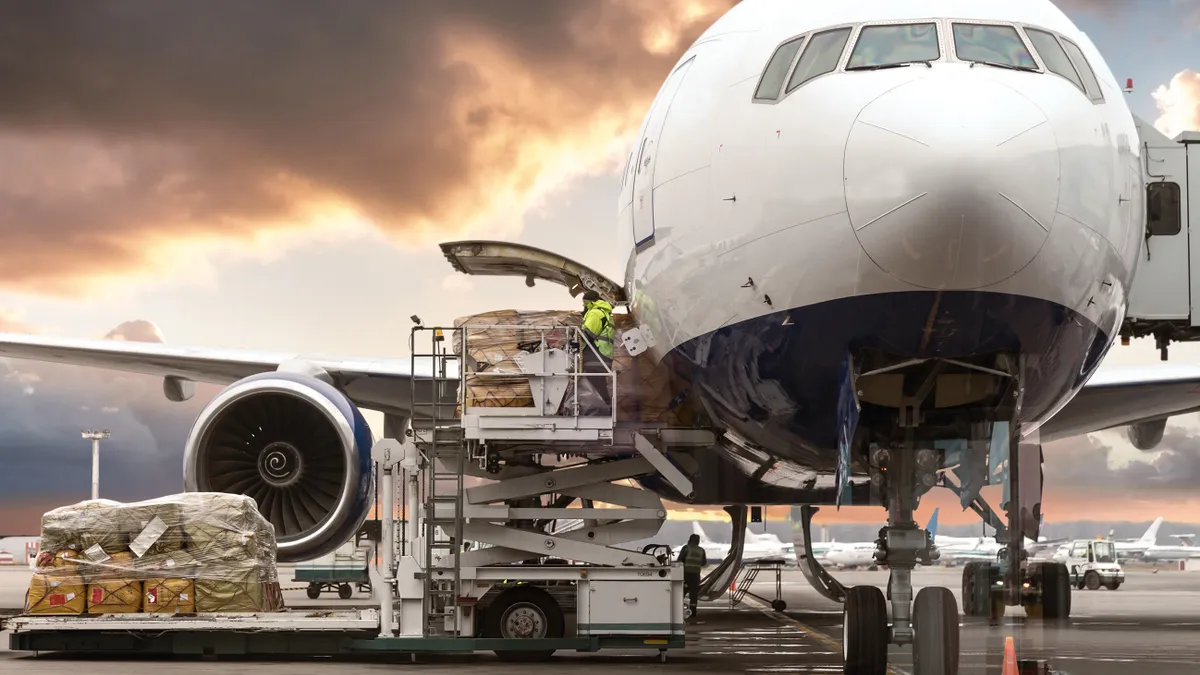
x,y
1056,591
538,612
976,589
935,632
865,632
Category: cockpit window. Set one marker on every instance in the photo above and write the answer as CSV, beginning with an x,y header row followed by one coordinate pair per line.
x,y
995,45
777,69
895,45
1053,55
821,56
1091,84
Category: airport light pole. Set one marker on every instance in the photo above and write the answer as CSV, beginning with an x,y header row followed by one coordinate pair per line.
x,y
95,437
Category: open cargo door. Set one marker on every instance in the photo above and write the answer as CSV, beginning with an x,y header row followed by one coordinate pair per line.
x,y
505,259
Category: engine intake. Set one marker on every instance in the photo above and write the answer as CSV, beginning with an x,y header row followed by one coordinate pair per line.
x,y
298,447
1146,435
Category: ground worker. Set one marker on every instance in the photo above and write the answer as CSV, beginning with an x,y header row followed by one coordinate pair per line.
x,y
694,559
598,328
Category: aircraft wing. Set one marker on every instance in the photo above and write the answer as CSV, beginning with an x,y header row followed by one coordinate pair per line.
x,y
1121,395
379,384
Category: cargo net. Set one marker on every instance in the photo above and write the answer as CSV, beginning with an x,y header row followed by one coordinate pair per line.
x,y
198,552
496,339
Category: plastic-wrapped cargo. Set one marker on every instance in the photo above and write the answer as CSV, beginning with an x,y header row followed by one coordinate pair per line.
x,y
494,339
192,552
114,594
169,596
57,593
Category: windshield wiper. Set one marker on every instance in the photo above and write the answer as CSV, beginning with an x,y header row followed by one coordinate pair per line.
x,y
1006,66
881,66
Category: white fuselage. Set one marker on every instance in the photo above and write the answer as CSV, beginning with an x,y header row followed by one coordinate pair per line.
x,y
763,239
755,547
1156,553
851,555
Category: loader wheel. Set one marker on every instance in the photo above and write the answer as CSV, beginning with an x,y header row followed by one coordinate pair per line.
x,y
524,612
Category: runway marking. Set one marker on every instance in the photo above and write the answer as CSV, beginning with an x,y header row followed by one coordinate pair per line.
x,y
817,635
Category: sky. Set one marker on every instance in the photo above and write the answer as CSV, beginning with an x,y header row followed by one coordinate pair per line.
x,y
234,174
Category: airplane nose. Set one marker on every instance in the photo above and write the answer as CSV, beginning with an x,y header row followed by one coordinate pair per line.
x,y
952,182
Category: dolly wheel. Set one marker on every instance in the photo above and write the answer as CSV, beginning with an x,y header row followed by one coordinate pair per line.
x,y
313,591
344,591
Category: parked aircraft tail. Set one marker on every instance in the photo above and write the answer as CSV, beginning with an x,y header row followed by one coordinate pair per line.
x,y
932,526
1151,535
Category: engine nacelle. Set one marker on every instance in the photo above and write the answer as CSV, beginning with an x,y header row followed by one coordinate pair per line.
x,y
298,447
1146,435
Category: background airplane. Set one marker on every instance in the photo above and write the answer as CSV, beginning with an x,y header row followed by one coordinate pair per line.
x,y
1183,550
1136,548
758,547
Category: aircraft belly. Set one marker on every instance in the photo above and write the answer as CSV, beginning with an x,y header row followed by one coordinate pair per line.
x,y
772,380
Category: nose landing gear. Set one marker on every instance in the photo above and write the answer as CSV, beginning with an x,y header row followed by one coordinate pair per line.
x,y
930,622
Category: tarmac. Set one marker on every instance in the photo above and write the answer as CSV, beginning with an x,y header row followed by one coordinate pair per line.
x,y
1150,625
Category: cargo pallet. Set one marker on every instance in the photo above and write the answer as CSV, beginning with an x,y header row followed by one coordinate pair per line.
x,y
287,633
435,595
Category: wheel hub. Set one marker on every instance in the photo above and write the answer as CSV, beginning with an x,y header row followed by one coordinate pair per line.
x,y
524,621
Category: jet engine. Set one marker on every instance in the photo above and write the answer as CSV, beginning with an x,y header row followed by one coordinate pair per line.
x,y
295,444
1146,435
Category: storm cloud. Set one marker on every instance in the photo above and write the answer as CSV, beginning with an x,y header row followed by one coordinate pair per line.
x,y
1084,463
132,122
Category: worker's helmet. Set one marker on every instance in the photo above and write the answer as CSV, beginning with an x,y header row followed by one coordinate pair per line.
x,y
591,296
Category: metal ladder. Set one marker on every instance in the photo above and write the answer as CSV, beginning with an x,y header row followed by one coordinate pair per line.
x,y
749,574
438,433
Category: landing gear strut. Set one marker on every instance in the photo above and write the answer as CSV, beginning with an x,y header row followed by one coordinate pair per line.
x,y
1042,589
930,623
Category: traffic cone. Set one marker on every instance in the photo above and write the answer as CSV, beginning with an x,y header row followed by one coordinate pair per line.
x,y
1010,657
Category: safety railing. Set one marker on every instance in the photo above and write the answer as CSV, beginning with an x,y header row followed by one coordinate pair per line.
x,y
526,370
